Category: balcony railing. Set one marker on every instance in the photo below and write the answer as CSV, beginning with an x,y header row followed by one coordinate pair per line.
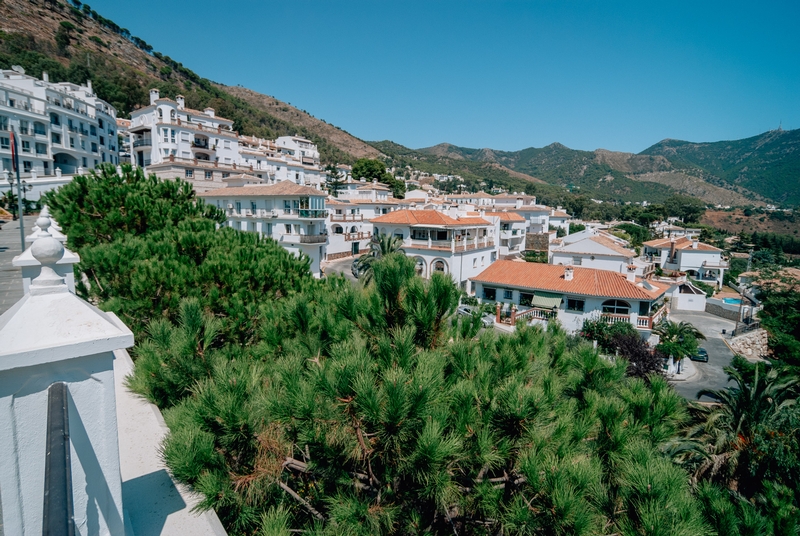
x,y
347,217
146,142
451,245
310,213
198,126
534,313
349,237
305,239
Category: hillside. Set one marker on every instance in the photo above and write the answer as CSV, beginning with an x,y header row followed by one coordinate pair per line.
x,y
123,68
602,174
736,221
767,164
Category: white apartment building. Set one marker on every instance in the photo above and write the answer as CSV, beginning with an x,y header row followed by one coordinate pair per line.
x,y
291,214
61,127
700,261
512,228
450,243
173,141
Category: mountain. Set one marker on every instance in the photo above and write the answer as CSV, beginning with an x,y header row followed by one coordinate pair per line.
x,y
606,174
767,164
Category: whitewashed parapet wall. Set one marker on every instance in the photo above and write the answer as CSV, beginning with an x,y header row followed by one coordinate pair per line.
x,y
48,336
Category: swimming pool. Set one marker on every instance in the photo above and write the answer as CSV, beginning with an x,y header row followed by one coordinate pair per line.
x,y
732,301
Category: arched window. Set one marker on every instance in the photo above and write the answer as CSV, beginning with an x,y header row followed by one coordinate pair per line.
x,y
617,307
353,229
172,114
439,266
160,113
419,267
337,229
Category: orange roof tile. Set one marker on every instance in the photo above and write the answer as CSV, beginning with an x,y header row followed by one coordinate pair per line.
x,y
506,216
426,217
548,277
683,242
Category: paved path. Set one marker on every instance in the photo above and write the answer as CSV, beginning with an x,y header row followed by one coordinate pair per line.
x,y
10,277
340,266
709,375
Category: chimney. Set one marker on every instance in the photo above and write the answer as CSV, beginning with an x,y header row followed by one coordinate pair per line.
x,y
671,249
632,273
533,200
694,243
179,100
209,112
552,212
153,96
568,271
45,76
519,203
89,85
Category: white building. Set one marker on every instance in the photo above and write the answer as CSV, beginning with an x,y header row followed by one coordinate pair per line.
x,y
61,127
600,252
540,292
461,246
512,228
289,213
288,158
701,261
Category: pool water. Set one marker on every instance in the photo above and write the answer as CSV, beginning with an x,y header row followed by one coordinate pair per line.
x,y
732,301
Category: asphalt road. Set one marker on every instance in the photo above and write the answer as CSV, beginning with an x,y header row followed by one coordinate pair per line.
x,y
709,375
340,266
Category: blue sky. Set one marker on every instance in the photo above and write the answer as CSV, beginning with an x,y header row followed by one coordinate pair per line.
x,y
505,75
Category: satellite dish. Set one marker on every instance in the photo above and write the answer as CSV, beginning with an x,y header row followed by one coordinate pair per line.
x,y
18,69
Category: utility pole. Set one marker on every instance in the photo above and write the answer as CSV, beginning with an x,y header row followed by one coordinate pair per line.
x,y
15,163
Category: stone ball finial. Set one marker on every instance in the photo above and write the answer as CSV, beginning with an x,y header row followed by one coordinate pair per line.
x,y
47,250
45,212
43,223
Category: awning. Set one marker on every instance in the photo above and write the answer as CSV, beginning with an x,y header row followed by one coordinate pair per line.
x,y
546,300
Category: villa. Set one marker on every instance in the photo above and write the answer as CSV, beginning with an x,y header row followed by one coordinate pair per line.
x,y
698,260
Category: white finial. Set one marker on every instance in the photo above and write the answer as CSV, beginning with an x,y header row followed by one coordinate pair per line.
x,y
48,251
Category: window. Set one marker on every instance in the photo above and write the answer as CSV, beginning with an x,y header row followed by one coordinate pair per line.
x,y
475,263
92,130
483,260
38,128
526,299
102,141
94,147
100,123
439,266
5,143
55,138
288,228
172,136
209,175
494,256
26,166
189,173
104,157
576,261
337,229
508,294
489,293
238,206
72,143
226,175
253,206
616,307
575,305
83,160
83,144
41,148
3,122
23,127
55,119
26,146
227,144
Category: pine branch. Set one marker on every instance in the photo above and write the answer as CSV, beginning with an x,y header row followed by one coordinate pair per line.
x,y
301,500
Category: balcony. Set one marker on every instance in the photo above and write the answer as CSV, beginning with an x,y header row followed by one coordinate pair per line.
x,y
452,246
304,239
347,217
199,145
309,213
145,142
350,237
510,233
639,322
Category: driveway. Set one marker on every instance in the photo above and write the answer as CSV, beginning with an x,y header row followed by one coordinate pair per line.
x,y
709,375
340,266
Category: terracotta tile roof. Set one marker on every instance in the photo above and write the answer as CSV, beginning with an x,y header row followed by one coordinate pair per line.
x,y
506,216
280,189
585,281
560,214
613,245
426,217
683,242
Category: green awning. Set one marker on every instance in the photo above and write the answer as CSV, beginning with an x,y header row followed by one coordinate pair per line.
x,y
546,300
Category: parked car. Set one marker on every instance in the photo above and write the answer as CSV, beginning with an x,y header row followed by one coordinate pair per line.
x,y
464,310
487,320
701,355
354,268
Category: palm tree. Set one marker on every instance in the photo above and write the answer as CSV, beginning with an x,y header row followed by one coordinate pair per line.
x,y
678,339
379,247
721,446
